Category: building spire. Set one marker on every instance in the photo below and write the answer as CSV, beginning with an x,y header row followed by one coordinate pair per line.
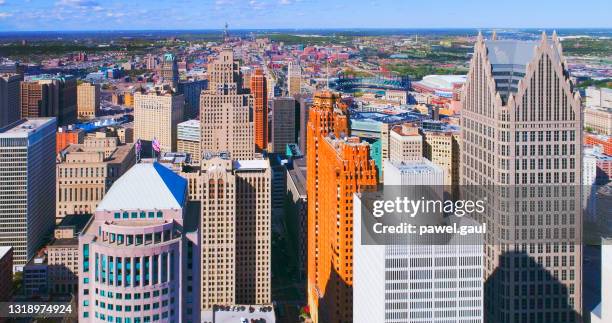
x,y
494,35
544,36
479,38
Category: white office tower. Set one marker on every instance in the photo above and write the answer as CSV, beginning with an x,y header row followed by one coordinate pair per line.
x,y
415,282
27,186
603,311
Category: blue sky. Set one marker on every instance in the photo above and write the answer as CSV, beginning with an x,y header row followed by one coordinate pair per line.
x,y
212,14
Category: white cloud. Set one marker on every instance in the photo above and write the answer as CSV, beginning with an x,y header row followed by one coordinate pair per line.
x,y
2,2
285,2
78,3
5,15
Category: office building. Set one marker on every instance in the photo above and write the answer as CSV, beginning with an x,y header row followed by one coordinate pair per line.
x,y
6,273
88,100
63,255
260,107
522,127
226,110
598,97
336,167
188,139
85,172
405,143
294,79
297,206
192,90
28,176
442,147
409,281
10,106
603,311
305,104
156,116
283,123
50,96
169,70
139,256
236,231
598,120
66,136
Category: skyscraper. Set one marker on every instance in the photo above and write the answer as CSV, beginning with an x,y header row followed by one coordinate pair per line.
x,y
522,132
88,100
283,123
236,231
294,78
27,174
9,98
337,168
192,91
226,110
50,96
169,70
156,116
260,105
139,256
408,281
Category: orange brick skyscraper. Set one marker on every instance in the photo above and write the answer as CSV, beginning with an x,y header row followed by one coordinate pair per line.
x,y
337,167
260,105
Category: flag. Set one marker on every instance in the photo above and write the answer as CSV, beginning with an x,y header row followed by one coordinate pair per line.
x,y
155,145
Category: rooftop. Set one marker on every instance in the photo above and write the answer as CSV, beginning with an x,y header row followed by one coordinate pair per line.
x,y
251,164
240,314
78,221
24,127
146,185
190,123
3,251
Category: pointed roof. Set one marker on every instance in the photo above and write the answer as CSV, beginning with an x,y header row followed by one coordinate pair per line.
x,y
146,186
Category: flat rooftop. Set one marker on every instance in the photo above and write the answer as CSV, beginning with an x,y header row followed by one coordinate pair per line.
x,y
24,127
240,314
251,164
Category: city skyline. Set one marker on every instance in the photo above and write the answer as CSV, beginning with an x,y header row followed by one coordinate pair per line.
x,y
69,15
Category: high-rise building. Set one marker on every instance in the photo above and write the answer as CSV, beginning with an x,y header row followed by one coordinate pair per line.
x,y
409,281
283,123
50,96
169,70
522,128
156,116
88,100
226,110
85,172
336,168
294,78
10,107
260,107
188,139
603,311
27,153
236,231
405,143
442,147
192,91
305,104
139,256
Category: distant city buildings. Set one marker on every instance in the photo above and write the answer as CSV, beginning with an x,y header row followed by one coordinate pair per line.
x,y
336,167
169,70
85,172
156,116
260,107
139,256
50,96
226,110
236,231
294,79
10,107
27,153
88,100
283,123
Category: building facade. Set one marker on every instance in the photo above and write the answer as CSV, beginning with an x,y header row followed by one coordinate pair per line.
x,y
50,96
88,100
188,139
598,120
294,79
260,107
337,168
169,70
27,156
86,172
138,257
226,110
236,231
405,143
522,127
156,116
10,106
283,124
